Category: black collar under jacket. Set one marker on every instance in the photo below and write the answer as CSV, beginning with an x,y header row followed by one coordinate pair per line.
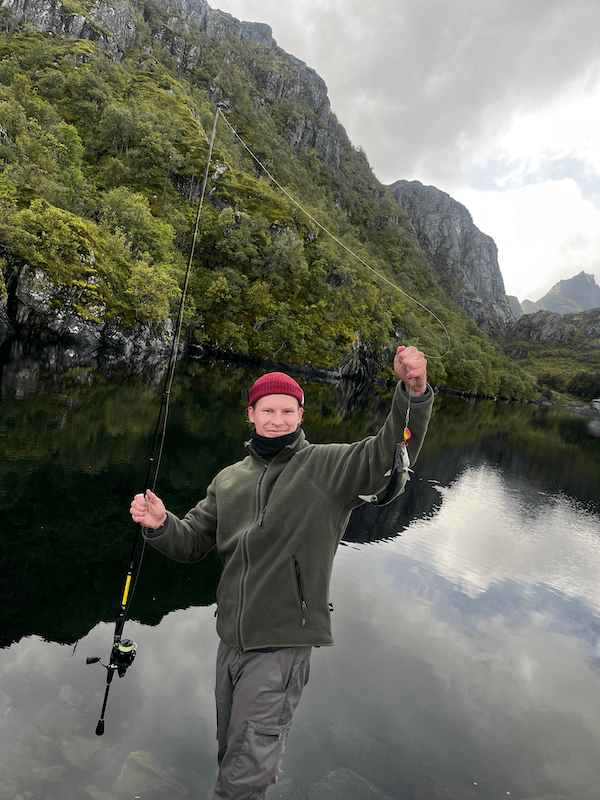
x,y
298,440
269,446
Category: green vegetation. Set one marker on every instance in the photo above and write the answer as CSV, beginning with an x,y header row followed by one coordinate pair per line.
x,y
563,372
101,164
585,385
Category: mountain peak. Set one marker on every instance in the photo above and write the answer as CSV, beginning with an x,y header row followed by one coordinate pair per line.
x,y
568,296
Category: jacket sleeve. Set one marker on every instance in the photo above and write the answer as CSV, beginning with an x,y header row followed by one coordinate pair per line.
x,y
190,538
349,470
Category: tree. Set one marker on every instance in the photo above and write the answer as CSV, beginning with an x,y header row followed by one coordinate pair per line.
x,y
129,212
151,291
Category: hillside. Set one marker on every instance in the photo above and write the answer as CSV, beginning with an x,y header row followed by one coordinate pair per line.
x,y
560,351
106,114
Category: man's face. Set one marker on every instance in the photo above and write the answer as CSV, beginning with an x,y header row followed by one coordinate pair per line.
x,y
275,415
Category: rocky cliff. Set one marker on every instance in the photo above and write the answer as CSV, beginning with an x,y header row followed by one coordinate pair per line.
x,y
209,41
466,258
182,27
560,330
516,307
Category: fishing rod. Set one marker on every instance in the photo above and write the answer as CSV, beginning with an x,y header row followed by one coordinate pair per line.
x,y
123,651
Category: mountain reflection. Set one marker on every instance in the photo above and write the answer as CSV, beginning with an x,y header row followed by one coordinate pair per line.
x,y
466,613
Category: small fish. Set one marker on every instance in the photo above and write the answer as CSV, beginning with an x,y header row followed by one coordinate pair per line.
x,y
399,475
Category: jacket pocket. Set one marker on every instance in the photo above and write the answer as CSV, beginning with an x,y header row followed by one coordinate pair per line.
x,y
298,574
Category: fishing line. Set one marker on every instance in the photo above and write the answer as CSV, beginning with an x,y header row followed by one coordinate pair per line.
x,y
339,241
123,651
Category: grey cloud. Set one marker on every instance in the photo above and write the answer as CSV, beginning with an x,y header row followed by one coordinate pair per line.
x,y
422,86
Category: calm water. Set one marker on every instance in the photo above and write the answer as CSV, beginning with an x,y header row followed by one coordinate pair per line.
x,y
467,614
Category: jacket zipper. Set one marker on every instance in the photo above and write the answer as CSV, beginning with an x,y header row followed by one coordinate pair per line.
x,y
246,559
303,605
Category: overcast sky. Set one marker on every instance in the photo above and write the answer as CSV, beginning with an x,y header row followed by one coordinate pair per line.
x,y
495,103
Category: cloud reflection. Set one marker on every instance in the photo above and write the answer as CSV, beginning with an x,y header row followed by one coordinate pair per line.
x,y
472,642
490,529
466,652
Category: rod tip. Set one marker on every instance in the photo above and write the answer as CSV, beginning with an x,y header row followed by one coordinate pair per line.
x,y
100,727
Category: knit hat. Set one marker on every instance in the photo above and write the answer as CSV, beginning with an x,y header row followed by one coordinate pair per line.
x,y
275,383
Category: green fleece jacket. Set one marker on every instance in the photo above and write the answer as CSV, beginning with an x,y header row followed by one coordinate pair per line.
x,y
277,526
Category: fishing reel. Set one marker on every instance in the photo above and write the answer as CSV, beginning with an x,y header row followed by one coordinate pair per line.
x,y
121,657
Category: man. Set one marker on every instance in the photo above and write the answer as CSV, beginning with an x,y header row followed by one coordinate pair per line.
x,y
276,519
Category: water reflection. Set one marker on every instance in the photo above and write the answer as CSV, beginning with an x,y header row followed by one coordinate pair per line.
x,y
509,532
466,615
593,427
465,665
473,641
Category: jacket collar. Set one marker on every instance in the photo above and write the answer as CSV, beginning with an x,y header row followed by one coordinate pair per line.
x,y
287,451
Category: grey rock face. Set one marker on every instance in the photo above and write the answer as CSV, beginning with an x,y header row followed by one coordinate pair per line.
x,y
516,307
344,784
581,289
197,12
112,26
460,251
255,33
549,327
295,80
529,307
580,293
109,24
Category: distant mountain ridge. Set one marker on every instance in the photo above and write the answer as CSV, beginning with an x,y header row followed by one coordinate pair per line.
x,y
571,296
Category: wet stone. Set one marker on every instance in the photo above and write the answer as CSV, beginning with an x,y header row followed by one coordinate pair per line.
x,y
343,784
57,718
70,696
143,777
77,750
97,794
14,773
376,760
53,774
30,735
286,790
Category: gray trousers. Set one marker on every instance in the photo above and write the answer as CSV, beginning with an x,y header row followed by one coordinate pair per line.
x,y
256,695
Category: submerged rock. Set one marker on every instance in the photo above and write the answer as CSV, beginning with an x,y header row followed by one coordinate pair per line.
x,y
550,797
58,718
143,777
70,696
286,790
54,774
97,794
376,760
77,750
343,784
30,735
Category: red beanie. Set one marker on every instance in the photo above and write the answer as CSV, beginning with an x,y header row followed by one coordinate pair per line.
x,y
275,383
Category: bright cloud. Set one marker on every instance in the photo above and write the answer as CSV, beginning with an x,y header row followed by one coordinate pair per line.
x,y
497,104
544,233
